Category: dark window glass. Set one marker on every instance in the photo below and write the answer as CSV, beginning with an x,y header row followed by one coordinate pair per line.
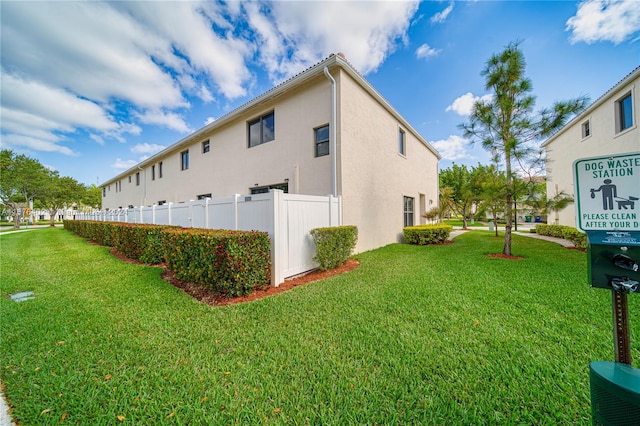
x,y
184,160
401,142
261,130
322,141
160,170
626,112
205,147
408,211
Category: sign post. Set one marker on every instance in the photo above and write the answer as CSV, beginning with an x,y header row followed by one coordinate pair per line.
x,y
608,210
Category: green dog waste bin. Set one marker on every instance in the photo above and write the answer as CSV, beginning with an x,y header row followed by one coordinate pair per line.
x,y
615,394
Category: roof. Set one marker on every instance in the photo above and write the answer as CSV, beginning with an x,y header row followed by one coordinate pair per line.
x,y
602,99
331,61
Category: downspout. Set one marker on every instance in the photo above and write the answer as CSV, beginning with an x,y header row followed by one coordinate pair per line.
x,y
332,128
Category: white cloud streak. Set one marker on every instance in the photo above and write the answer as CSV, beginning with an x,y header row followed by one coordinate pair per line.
x,y
440,17
604,20
464,104
452,148
426,52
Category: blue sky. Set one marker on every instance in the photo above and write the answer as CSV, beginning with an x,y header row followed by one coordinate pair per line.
x,y
90,89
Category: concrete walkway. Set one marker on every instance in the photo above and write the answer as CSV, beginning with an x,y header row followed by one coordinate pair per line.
x,y
524,231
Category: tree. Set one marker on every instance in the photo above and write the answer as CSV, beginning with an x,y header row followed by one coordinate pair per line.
x,y
61,192
457,181
92,197
493,185
23,180
507,126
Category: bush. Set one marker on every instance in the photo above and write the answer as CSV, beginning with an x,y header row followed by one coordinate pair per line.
x,y
579,239
334,245
427,234
139,242
233,263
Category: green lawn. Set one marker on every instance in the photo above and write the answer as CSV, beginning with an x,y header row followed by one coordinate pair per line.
x,y
416,335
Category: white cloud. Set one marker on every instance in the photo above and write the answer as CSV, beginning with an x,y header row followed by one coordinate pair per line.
x,y
426,52
294,35
36,144
464,104
147,148
169,120
107,68
440,17
209,120
121,164
452,148
604,20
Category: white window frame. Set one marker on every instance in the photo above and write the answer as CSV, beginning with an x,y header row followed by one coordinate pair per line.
x,y
402,142
619,116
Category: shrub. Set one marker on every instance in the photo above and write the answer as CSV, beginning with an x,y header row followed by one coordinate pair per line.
x,y
334,245
427,234
139,242
233,263
579,239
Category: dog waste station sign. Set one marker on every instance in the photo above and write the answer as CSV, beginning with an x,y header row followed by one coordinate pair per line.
x,y
608,209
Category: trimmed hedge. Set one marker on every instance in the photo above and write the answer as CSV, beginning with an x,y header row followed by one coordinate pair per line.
x,y
579,239
135,241
233,263
334,245
427,234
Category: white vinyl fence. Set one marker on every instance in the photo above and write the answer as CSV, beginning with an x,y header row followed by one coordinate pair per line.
x,y
287,218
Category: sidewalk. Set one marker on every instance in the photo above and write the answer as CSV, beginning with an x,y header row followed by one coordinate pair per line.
x,y
523,230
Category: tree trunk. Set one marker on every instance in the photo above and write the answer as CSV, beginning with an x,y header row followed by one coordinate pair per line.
x,y
508,211
52,217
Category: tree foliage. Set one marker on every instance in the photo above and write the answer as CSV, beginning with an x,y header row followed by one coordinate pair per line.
x,y
24,180
507,126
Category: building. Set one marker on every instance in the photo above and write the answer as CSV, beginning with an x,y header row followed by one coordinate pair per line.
x,y
608,126
324,131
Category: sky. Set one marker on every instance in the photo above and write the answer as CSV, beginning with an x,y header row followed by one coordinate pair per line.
x,y
92,88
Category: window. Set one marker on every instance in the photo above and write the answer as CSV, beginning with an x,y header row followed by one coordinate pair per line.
x,y
104,192
624,113
162,202
160,170
138,179
204,196
402,142
586,129
261,130
184,160
129,179
408,211
322,140
264,189
153,172
205,146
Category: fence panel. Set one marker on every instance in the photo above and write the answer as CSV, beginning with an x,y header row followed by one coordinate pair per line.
x,y
287,218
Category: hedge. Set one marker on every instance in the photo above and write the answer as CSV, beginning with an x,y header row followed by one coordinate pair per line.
x,y
579,239
427,234
334,245
233,263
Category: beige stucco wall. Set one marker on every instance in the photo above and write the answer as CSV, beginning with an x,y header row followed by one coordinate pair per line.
x,y
232,167
569,146
374,176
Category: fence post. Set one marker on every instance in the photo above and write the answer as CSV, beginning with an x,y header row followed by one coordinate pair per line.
x,y
235,211
278,242
169,212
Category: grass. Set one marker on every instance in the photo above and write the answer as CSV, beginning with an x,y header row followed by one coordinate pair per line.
x,y
459,222
415,335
